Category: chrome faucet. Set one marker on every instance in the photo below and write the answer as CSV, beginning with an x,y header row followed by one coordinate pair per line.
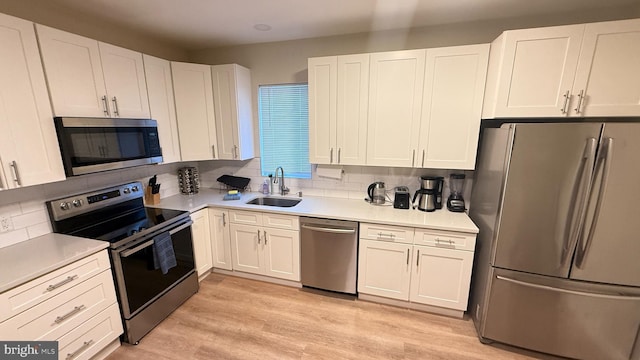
x,y
283,189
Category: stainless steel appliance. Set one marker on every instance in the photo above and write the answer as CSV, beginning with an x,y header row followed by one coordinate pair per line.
x,y
377,193
151,280
91,145
455,202
429,195
329,254
557,267
401,198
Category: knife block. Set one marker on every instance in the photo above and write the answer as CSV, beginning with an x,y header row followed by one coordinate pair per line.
x,y
149,198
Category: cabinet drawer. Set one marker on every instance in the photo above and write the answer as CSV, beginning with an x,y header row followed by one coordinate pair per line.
x,y
92,336
245,217
36,291
386,233
445,239
278,221
58,315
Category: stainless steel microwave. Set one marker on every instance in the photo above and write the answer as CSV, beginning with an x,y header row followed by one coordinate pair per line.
x,y
91,145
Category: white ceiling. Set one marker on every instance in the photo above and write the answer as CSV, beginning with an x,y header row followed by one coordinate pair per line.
x,y
199,24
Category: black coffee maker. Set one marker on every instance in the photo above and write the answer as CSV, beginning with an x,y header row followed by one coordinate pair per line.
x,y
430,194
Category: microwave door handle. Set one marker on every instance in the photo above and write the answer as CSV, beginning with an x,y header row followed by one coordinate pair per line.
x,y
586,240
575,223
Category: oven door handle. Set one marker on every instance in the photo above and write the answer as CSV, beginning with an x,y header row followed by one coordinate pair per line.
x,y
181,227
128,253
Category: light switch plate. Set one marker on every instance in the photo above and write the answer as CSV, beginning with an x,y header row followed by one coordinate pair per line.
x,y
5,224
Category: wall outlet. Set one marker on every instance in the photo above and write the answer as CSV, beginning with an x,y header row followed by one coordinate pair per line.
x,y
5,224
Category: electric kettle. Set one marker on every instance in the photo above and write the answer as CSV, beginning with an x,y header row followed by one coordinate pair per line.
x,y
376,193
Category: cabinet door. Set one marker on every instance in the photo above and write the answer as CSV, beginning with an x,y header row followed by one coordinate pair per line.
x,y
246,248
123,71
395,105
384,269
162,105
282,253
244,121
28,136
74,73
194,110
201,241
352,104
537,71
220,238
609,70
322,109
441,277
452,106
224,102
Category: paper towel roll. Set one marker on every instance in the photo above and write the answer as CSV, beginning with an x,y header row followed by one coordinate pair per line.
x,y
328,171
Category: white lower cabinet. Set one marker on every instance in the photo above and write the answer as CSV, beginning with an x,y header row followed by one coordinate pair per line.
x,y
422,266
201,242
220,238
270,246
79,308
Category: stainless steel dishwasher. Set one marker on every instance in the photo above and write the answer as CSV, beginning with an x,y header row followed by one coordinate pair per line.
x,y
329,254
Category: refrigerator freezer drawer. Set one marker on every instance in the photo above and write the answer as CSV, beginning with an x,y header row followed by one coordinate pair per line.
x,y
563,317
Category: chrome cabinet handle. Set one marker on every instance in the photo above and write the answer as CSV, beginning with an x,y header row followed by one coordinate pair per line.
x,y
418,259
105,105
63,282
566,102
16,173
224,219
235,151
408,257
265,236
85,345
423,151
581,96
339,155
258,236
64,317
3,186
448,241
116,112
331,156
213,150
413,158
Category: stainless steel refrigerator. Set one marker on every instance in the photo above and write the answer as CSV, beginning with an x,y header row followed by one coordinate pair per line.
x,y
558,254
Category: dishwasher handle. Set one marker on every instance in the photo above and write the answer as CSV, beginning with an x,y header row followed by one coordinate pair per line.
x,y
329,230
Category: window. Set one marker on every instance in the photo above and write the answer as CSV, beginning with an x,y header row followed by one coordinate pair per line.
x,y
283,112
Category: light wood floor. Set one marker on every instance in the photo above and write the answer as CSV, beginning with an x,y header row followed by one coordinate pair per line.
x,y
236,318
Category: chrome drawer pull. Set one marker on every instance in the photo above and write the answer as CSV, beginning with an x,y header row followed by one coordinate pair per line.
x,y
448,241
63,282
64,317
383,235
85,345
265,236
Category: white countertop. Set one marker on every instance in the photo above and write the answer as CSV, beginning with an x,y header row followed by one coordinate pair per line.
x,y
333,208
25,261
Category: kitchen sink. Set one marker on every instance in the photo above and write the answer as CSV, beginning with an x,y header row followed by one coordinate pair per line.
x,y
274,201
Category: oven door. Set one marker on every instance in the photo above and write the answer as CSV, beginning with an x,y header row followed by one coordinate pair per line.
x,y
97,144
139,280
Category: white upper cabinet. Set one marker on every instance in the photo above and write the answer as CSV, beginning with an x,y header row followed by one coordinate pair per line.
x,y
233,111
88,78
322,73
74,73
352,107
395,105
609,70
452,106
123,71
162,105
195,112
29,152
575,70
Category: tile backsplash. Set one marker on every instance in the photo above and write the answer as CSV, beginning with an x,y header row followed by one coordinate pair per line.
x,y
23,210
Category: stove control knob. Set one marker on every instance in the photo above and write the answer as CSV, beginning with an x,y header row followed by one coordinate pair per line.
x,y
126,190
134,188
77,202
65,205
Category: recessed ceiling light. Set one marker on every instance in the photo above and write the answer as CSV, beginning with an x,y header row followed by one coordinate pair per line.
x,y
262,27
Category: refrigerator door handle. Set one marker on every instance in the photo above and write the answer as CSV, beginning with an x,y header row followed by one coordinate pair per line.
x,y
566,291
585,242
576,222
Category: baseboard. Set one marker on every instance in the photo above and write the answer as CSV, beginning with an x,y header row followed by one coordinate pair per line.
x,y
259,277
409,305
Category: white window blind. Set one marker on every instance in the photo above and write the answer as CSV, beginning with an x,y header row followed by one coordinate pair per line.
x,y
283,112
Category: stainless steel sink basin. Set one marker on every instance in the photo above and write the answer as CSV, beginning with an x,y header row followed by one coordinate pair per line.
x,y
274,201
